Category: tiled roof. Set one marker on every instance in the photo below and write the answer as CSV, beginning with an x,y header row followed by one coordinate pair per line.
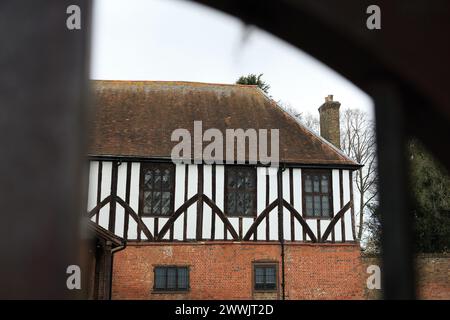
x,y
137,118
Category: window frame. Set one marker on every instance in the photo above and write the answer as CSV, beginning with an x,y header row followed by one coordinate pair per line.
x,y
254,191
159,165
319,172
175,290
265,264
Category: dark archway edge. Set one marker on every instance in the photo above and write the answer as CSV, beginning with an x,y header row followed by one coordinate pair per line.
x,y
335,33
404,67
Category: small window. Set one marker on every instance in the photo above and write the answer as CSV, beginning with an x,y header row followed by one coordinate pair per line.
x,y
240,191
317,201
171,279
157,189
265,277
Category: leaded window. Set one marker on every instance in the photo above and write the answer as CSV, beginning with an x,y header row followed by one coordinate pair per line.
x,y
265,277
317,200
240,191
171,278
157,189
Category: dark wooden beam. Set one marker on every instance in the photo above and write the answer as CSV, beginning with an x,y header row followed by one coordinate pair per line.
x,y
306,229
213,195
221,215
280,203
127,200
262,216
99,186
136,217
112,205
199,215
182,209
352,208
338,216
341,201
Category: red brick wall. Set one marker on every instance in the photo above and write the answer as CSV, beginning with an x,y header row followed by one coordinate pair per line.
x,y
224,270
432,276
324,272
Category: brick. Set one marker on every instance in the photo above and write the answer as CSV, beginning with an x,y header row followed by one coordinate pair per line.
x,y
221,270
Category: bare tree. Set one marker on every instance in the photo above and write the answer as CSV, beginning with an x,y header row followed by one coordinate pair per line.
x,y
311,122
308,119
358,142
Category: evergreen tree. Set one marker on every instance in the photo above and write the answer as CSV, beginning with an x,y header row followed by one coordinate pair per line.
x,y
253,79
430,184
430,188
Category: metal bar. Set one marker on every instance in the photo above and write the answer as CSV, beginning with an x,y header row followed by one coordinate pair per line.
x,y
43,83
397,251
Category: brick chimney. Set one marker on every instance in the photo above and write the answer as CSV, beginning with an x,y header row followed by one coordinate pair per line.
x,y
329,121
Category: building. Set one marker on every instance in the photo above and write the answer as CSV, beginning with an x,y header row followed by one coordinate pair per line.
x,y
220,231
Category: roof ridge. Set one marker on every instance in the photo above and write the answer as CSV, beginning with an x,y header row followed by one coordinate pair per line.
x,y
171,82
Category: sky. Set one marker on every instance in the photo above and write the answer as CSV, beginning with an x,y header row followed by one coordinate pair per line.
x,y
177,40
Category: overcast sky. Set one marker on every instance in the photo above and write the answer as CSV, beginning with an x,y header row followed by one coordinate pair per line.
x,y
179,40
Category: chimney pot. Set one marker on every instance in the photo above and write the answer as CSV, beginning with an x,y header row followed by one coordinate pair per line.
x,y
329,98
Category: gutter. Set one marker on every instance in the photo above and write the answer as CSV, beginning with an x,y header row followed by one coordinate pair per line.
x,y
280,235
283,279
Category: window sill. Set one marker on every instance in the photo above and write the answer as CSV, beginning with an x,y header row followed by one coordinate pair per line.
x,y
318,218
265,291
241,216
146,215
170,291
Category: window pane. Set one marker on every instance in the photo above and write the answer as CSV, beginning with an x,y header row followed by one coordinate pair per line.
x,y
308,184
165,204
231,179
148,180
248,203
316,183
182,278
240,191
249,181
157,179
265,277
157,190
147,202
317,206
156,203
160,278
240,207
166,179
240,181
270,275
325,206
324,183
171,278
231,203
309,205
259,275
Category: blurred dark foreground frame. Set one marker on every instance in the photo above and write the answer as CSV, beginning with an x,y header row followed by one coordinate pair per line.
x,y
44,93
